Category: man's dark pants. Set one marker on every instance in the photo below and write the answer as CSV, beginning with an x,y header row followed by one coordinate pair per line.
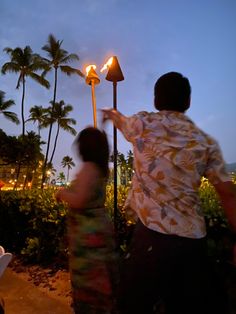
x,y
169,268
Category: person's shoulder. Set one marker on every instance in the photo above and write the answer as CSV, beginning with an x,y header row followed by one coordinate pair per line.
x,y
211,141
208,138
90,167
88,174
145,115
88,170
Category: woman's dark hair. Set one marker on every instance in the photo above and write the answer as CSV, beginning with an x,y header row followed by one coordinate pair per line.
x,y
93,146
172,92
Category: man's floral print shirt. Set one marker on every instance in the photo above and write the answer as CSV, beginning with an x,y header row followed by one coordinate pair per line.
x,y
171,155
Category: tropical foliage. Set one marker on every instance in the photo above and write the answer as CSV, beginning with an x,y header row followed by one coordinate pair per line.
x,y
36,223
59,116
37,115
61,178
22,155
4,106
58,59
67,162
26,63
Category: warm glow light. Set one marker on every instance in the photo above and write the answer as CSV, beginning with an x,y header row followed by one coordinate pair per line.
x,y
107,65
89,67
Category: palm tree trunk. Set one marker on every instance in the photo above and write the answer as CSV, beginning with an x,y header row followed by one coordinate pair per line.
x,y
17,175
68,169
50,130
55,143
22,108
39,129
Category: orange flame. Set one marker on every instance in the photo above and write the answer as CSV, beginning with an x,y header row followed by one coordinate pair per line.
x,y
107,65
89,67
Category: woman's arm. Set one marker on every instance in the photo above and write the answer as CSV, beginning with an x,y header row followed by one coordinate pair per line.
x,y
80,193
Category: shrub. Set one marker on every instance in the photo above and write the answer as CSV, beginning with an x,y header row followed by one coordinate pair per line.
x,y
13,223
219,236
35,224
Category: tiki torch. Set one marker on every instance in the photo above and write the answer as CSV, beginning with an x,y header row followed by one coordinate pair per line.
x,y
114,75
92,79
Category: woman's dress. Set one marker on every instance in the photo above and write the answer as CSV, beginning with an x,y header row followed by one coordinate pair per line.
x,y
92,255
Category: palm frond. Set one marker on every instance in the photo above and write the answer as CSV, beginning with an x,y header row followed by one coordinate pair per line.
x,y
67,121
40,79
12,67
6,104
52,46
67,108
68,128
11,116
69,70
38,63
69,58
8,50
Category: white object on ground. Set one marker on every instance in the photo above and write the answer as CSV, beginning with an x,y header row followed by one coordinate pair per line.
x,y
5,259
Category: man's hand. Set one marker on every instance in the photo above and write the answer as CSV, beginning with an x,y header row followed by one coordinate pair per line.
x,y
115,116
108,114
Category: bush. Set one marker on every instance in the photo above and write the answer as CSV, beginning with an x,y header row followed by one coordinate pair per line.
x,y
35,224
219,236
13,223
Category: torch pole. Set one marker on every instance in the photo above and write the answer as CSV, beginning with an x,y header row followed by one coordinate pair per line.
x,y
94,103
115,158
115,75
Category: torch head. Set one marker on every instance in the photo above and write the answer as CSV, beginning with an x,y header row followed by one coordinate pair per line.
x,y
114,73
92,76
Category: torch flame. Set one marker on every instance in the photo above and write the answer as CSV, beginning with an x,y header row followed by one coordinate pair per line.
x,y
89,67
107,65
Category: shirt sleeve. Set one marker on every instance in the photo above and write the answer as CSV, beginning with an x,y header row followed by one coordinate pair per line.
x,y
133,126
216,171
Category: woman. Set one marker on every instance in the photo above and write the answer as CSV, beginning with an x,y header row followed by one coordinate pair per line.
x,y
90,233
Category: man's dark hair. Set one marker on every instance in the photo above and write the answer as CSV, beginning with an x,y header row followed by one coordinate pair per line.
x,y
93,146
172,92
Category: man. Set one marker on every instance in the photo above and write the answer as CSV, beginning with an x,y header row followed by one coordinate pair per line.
x,y
167,256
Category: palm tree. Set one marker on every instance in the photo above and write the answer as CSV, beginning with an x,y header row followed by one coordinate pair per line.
x,y
27,154
68,162
121,162
61,177
50,171
26,63
130,160
37,115
4,106
60,117
58,59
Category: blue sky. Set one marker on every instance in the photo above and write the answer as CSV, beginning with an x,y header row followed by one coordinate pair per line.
x,y
150,38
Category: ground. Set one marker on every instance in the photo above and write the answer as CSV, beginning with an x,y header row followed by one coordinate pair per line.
x,y
55,281
51,280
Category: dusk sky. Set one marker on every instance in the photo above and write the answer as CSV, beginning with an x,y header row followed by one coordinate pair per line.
x,y
194,37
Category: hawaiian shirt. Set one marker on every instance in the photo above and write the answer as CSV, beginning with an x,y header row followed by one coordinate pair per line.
x,y
171,155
